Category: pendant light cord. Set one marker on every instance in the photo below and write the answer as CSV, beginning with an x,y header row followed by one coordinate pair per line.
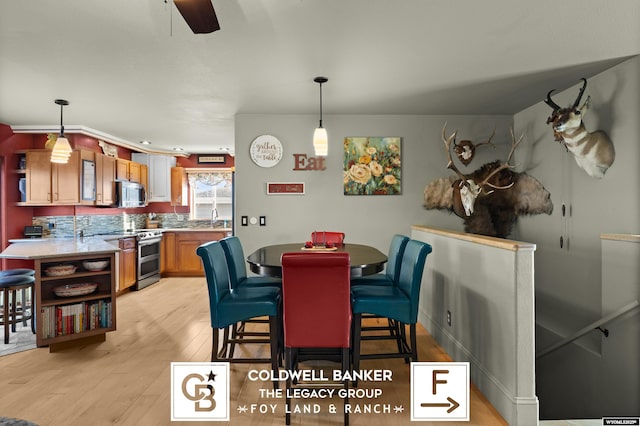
x,y
61,125
320,104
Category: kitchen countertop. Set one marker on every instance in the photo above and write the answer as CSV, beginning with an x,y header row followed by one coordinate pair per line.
x,y
123,234
196,229
57,247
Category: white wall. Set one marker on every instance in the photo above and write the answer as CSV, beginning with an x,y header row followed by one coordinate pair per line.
x,y
365,219
568,280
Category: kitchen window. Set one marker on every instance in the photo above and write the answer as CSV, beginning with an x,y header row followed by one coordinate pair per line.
x,y
211,195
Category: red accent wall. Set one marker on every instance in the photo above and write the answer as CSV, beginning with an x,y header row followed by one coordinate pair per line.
x,y
13,219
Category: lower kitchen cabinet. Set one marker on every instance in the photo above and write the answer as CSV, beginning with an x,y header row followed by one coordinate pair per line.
x,y
128,260
180,258
75,297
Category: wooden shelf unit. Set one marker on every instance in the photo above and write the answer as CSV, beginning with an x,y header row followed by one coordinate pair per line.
x,y
104,298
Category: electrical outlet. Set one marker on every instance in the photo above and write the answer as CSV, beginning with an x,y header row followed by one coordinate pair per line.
x,y
449,318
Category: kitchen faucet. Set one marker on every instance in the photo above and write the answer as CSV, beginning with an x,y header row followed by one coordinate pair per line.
x,y
214,216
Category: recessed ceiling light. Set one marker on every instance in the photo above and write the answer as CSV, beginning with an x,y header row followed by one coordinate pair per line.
x,y
145,142
178,149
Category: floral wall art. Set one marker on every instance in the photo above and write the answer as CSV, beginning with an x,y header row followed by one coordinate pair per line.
x,y
372,166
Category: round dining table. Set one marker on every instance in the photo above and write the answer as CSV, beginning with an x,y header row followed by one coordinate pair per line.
x,y
365,260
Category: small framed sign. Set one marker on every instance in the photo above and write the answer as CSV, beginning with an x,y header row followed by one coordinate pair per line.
x,y
211,159
285,188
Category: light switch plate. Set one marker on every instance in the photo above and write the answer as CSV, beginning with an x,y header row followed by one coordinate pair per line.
x,y
263,221
244,220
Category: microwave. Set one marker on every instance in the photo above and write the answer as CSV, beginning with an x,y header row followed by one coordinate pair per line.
x,y
130,194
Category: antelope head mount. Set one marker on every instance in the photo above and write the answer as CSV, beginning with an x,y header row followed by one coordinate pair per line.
x,y
490,177
593,152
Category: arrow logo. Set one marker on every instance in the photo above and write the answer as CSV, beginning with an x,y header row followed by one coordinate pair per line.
x,y
452,404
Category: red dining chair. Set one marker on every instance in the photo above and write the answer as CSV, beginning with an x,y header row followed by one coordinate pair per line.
x,y
316,310
323,237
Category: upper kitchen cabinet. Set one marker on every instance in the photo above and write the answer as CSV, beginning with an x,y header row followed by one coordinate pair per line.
x,y
128,170
105,176
144,176
51,183
179,188
159,173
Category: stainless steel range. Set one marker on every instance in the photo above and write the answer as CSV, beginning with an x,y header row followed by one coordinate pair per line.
x,y
148,258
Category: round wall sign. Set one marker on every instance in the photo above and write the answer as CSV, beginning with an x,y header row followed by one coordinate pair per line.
x,y
266,151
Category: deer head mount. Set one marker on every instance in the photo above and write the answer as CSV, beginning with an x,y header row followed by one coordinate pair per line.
x,y
490,199
468,188
465,150
593,152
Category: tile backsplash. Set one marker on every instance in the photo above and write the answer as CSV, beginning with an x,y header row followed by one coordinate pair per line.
x,y
69,226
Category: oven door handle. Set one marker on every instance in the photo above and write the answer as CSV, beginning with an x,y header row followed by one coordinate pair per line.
x,y
150,241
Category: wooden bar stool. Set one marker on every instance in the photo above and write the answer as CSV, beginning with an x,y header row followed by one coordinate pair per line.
x,y
10,284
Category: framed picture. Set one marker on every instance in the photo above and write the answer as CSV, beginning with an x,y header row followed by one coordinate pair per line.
x,y
218,159
88,180
372,166
285,188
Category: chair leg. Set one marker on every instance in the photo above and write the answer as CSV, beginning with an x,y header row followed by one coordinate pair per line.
x,y
5,315
357,331
231,344
274,333
214,344
414,345
288,362
13,308
345,368
23,306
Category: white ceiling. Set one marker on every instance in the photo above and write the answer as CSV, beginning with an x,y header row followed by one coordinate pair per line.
x,y
133,69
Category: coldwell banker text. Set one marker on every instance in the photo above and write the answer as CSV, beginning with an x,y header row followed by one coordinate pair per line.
x,y
319,375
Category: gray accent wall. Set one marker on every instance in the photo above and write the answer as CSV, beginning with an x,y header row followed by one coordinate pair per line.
x,y
572,382
365,219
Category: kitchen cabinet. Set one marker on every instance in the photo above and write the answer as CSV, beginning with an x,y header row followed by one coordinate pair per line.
x,y
128,260
180,258
128,170
51,183
134,172
159,189
75,315
144,178
122,169
105,176
179,188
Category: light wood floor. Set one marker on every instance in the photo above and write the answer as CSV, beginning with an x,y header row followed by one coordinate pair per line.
x,y
126,380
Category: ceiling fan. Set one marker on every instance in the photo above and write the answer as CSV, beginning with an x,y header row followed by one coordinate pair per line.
x,y
199,15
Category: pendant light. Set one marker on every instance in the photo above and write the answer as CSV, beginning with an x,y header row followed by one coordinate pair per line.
x,y
320,139
61,149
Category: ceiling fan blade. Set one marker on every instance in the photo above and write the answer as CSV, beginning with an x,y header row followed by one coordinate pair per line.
x,y
199,15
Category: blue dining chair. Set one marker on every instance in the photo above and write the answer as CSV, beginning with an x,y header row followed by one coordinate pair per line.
x,y
388,278
392,270
398,302
236,263
238,268
229,306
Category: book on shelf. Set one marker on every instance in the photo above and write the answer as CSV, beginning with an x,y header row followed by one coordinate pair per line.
x,y
75,318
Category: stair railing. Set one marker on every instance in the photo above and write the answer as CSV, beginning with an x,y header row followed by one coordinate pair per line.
x,y
593,326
